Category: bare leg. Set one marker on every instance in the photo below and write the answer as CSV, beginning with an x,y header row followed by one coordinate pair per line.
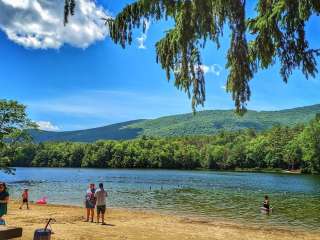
x,y
28,205
88,214
92,214
98,216
102,218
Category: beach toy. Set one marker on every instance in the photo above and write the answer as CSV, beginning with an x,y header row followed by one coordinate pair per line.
x,y
42,200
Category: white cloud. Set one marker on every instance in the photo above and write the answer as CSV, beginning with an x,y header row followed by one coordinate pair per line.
x,y
39,23
214,69
48,126
143,37
205,68
141,41
17,3
208,69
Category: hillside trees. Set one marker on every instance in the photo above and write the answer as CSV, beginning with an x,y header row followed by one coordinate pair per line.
x,y
310,142
280,147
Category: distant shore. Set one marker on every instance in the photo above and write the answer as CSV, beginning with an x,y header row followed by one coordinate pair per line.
x,y
268,170
260,170
138,224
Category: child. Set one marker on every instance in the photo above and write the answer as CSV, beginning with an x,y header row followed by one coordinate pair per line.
x,y
266,203
25,198
4,198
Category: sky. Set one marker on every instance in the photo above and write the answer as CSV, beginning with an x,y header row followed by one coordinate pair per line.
x,y
75,77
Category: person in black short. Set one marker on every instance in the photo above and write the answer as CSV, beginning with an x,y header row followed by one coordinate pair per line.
x,y
101,196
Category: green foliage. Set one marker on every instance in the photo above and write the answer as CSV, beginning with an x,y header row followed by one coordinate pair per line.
x,y
203,123
179,51
292,148
277,32
13,119
310,143
256,152
293,154
13,125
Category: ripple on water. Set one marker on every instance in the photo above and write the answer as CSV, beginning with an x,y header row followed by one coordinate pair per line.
x,y
234,196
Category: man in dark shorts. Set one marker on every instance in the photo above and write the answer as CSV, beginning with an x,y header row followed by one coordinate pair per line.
x,y
101,200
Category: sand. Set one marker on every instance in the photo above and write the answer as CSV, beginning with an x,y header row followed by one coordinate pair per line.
x,y
125,224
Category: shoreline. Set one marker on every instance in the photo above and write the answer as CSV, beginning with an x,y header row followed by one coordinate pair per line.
x,y
139,224
244,170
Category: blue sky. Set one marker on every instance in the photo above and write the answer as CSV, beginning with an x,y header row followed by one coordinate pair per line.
x,y
75,77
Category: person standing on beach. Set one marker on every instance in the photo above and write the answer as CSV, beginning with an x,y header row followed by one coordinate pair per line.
x,y
90,202
101,196
25,198
4,199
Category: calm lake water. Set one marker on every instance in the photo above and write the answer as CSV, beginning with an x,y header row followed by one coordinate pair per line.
x,y
219,195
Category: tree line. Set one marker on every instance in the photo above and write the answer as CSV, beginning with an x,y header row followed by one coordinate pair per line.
x,y
296,147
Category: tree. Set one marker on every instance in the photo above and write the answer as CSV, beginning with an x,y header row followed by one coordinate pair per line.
x,y
292,148
310,142
293,154
256,151
277,138
215,157
13,123
277,31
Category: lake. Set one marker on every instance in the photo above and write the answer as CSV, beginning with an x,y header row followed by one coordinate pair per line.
x,y
234,196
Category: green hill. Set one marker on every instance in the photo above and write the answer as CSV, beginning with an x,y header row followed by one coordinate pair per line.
x,y
115,132
204,122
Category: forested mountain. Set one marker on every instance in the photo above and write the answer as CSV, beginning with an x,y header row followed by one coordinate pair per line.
x,y
281,147
202,123
116,131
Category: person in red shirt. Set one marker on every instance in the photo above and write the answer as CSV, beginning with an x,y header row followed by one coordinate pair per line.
x,y
25,198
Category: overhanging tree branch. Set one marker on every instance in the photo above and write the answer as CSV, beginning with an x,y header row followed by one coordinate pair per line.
x,y
278,32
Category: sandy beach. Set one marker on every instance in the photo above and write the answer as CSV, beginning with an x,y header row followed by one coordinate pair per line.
x,y
137,224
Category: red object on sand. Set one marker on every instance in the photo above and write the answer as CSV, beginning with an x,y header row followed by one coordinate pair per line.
x,y
42,200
